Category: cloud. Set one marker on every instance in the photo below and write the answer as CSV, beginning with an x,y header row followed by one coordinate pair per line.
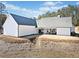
x,y
46,6
50,4
19,10
44,9
56,8
24,11
77,3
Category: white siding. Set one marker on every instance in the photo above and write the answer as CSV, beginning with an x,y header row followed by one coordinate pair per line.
x,y
44,31
63,31
10,26
73,28
27,30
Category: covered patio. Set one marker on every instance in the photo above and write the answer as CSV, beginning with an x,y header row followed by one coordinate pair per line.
x,y
46,31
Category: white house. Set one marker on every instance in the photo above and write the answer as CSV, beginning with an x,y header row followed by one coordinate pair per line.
x,y
56,25
19,26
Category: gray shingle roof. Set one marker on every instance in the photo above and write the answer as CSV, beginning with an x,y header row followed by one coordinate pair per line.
x,y
24,20
54,22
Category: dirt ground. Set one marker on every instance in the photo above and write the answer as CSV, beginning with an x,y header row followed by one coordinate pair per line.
x,y
34,52
40,54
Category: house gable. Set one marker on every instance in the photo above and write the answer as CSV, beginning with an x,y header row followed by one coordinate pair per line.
x,y
10,26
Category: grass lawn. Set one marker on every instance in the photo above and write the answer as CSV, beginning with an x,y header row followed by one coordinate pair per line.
x,y
13,39
37,52
40,54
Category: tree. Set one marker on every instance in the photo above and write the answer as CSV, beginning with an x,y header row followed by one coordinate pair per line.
x,y
2,18
39,17
70,11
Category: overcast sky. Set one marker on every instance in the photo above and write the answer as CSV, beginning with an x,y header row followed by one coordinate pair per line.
x,y
35,8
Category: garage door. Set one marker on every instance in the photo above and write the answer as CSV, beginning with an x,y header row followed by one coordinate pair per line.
x,y
63,31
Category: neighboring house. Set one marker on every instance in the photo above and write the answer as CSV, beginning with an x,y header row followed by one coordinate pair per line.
x,y
56,25
19,26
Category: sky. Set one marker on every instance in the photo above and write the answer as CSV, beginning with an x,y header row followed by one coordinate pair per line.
x,y
35,8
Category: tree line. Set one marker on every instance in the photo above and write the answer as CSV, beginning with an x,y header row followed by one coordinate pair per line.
x,y
2,19
70,11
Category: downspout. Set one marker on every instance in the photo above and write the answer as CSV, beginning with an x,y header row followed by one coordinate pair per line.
x,y
18,30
